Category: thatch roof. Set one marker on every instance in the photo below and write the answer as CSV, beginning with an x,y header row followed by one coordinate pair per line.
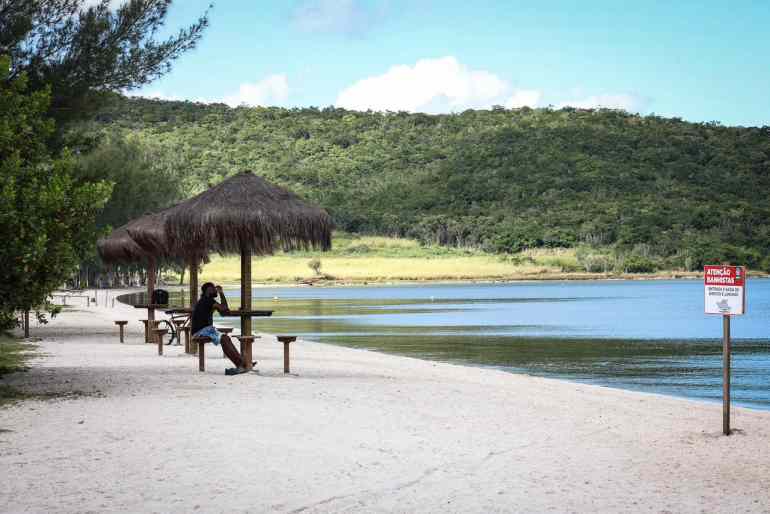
x,y
247,211
136,241
120,248
149,233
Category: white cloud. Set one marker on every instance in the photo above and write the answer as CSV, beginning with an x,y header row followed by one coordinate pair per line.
x,y
268,91
344,16
157,95
625,101
433,85
524,98
271,90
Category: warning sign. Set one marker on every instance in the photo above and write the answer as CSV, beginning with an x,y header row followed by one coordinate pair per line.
x,y
725,288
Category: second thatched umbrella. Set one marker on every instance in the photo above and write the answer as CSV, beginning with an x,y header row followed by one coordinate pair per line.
x,y
149,233
246,215
121,248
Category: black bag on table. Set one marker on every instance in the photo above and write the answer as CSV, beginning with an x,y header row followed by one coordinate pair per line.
x,y
160,297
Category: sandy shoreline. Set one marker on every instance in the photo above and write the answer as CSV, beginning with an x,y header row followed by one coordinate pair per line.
x,y
353,431
524,278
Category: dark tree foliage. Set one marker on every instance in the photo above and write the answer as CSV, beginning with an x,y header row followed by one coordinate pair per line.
x,y
81,51
668,193
47,219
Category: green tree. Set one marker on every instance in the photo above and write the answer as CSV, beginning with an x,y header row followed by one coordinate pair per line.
x,y
145,179
46,217
502,179
142,182
82,49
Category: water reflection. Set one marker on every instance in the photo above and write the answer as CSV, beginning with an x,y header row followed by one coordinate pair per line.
x,y
647,336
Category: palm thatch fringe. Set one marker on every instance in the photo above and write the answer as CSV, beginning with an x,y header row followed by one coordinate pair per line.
x,y
140,240
120,248
246,211
149,234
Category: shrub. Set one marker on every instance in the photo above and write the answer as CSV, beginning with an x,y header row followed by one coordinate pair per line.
x,y
315,265
635,263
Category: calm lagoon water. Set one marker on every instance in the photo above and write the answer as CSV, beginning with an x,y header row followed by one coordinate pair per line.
x,y
642,335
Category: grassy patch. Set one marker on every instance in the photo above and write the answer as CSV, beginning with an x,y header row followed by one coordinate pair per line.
x,y
13,354
374,259
10,395
373,268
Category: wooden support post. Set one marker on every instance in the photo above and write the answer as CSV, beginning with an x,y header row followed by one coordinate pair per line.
x,y
146,330
286,340
247,355
159,333
726,375
201,357
26,324
151,272
246,298
121,324
193,282
246,351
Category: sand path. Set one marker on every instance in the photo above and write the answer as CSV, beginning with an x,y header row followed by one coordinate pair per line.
x,y
353,431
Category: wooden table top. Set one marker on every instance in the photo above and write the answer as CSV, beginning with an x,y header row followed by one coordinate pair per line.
x,y
151,306
239,314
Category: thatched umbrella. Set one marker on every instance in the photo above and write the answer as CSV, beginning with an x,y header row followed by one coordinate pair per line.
x,y
120,247
150,234
246,215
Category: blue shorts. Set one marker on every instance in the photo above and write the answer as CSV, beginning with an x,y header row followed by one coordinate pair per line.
x,y
211,332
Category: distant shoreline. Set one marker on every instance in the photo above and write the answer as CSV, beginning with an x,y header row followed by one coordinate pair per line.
x,y
543,277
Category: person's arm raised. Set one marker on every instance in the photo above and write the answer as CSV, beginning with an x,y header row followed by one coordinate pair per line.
x,y
222,307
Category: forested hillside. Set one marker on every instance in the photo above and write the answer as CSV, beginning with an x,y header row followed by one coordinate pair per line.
x,y
662,192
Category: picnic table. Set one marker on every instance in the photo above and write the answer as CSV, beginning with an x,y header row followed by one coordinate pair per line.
x,y
228,314
246,314
184,315
150,317
245,339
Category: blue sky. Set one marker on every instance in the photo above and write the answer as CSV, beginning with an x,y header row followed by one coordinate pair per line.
x,y
701,61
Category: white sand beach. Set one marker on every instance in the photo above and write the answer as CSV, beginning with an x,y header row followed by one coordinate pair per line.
x,y
352,431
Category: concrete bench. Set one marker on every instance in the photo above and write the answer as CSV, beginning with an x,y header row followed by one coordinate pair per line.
x,y
159,333
121,324
286,340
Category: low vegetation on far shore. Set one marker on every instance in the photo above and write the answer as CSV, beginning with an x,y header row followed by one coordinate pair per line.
x,y
359,259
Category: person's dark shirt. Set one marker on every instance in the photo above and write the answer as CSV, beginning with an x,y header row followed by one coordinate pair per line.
x,y
203,314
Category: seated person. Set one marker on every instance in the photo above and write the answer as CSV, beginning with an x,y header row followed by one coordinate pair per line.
x,y
202,324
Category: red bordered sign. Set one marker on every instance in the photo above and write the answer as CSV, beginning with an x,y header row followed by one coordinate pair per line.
x,y
725,290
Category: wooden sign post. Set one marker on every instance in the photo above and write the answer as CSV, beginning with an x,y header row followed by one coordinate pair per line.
x,y
726,374
725,294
